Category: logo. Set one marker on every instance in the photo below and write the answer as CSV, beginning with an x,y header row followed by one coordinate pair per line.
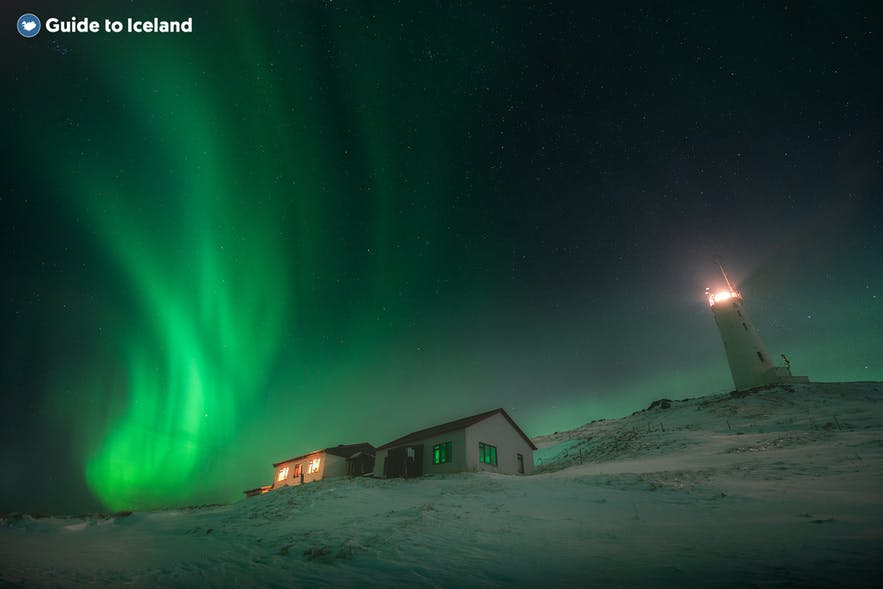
x,y
28,25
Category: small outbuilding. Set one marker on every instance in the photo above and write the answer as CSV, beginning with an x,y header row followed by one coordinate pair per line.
x,y
258,490
338,461
489,441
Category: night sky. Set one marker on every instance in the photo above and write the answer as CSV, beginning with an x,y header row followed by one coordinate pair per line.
x,y
314,223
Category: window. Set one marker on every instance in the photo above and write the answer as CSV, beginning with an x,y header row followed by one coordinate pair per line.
x,y
283,474
298,469
487,453
314,465
520,459
441,453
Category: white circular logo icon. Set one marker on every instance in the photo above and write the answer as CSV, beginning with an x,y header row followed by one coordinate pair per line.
x,y
28,25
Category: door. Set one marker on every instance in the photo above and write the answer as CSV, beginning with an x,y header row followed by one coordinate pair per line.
x,y
404,461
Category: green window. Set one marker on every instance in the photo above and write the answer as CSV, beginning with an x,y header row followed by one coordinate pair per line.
x,y
487,454
441,453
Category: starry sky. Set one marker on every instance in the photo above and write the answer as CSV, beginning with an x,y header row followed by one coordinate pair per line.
x,y
313,223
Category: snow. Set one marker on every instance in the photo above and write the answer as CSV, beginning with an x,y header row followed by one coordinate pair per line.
x,y
780,487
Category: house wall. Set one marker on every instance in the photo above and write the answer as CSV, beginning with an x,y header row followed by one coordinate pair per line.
x,y
379,459
497,431
326,461
335,466
458,452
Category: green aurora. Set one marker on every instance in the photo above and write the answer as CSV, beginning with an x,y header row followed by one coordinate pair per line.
x,y
226,210
215,287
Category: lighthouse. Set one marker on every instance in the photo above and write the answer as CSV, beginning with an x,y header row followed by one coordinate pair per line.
x,y
750,363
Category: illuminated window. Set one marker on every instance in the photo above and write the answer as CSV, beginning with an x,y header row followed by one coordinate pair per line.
x,y
441,453
298,469
487,454
283,474
313,466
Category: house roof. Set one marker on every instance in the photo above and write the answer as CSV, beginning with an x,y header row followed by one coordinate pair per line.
x,y
348,450
262,489
343,450
455,425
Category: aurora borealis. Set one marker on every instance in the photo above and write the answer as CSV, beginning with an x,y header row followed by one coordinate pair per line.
x,y
331,222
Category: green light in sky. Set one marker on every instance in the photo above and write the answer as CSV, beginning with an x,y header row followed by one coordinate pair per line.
x,y
209,281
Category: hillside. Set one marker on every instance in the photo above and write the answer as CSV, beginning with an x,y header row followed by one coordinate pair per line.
x,y
779,487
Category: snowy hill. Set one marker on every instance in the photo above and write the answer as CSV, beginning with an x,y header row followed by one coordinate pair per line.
x,y
779,487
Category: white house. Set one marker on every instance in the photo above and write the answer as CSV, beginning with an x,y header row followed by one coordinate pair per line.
x,y
489,441
350,459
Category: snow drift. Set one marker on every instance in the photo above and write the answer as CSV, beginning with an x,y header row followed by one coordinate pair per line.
x,y
774,487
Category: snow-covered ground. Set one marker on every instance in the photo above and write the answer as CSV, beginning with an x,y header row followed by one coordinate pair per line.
x,y
777,488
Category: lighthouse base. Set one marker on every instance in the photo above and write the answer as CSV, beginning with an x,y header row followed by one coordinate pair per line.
x,y
775,375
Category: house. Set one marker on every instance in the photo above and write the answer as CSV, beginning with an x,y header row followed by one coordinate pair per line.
x,y
351,459
258,491
489,441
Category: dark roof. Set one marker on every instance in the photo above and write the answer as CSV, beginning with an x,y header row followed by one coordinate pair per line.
x,y
343,450
350,449
455,425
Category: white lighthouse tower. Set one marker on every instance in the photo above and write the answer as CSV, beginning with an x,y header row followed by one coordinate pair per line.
x,y
750,363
